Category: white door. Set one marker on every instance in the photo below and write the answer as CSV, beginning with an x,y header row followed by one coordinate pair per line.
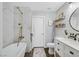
x,y
38,32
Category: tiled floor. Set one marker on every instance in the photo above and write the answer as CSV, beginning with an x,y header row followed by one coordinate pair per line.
x,y
39,52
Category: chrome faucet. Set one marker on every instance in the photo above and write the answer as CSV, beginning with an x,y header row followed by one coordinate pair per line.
x,y
76,35
72,36
19,39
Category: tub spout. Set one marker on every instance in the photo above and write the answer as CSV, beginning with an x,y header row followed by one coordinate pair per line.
x,y
19,39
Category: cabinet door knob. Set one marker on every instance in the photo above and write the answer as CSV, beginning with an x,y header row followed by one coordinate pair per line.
x,y
71,52
58,49
58,43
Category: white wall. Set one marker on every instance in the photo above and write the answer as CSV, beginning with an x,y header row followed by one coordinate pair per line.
x,y
0,25
27,27
8,25
48,29
59,32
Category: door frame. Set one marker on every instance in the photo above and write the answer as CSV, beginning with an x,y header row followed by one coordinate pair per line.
x,y
43,28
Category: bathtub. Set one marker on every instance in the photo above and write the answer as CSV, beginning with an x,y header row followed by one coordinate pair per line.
x,y
13,50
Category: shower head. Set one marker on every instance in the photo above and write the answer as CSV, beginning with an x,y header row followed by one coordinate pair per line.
x,y
19,10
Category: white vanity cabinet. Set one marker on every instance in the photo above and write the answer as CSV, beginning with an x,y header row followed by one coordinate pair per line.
x,y
65,49
70,52
59,48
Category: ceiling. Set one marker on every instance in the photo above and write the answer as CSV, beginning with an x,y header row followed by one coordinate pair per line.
x,y
42,6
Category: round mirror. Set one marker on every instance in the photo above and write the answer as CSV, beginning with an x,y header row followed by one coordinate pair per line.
x,y
74,20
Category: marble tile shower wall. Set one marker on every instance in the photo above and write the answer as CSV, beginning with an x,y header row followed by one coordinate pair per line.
x,y
26,20
10,22
8,29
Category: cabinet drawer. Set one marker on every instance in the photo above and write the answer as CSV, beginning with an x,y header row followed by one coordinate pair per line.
x,y
71,52
59,44
59,48
59,51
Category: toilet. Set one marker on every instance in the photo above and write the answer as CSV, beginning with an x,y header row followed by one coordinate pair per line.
x,y
51,46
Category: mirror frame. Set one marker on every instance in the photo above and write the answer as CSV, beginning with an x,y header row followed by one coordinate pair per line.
x,y
70,20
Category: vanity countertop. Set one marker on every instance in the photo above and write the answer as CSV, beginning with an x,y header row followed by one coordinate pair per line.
x,y
69,42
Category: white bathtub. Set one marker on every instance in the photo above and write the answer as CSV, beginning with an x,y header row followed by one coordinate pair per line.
x,y
13,50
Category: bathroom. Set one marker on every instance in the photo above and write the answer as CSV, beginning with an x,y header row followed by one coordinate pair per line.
x,y
39,29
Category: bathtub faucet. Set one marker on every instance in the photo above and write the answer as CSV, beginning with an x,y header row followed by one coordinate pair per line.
x,y
19,39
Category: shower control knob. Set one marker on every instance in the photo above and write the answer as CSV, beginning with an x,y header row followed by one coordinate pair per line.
x,y
19,24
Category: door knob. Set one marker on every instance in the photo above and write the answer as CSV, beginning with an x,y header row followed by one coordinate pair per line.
x,y
31,34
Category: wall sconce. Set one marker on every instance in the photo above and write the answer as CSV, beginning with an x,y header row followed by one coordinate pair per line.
x,y
50,22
